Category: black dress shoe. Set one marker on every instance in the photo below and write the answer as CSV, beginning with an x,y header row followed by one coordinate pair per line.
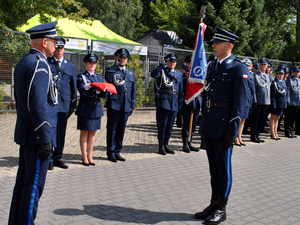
x,y
50,167
243,144
112,159
260,140
92,163
236,144
288,134
205,213
216,217
85,164
273,138
278,139
254,139
60,164
119,157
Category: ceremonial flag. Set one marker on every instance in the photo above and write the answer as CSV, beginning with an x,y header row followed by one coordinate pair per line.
x,y
195,83
105,87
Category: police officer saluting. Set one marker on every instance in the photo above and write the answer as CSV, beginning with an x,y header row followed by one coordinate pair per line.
x,y
224,100
64,76
35,129
170,99
120,106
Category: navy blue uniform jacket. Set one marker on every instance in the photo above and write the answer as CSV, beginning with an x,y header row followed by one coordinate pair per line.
x,y
89,103
293,88
66,84
278,94
228,84
35,101
124,101
169,98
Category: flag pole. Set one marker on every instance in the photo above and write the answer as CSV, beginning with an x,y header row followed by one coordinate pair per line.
x,y
202,15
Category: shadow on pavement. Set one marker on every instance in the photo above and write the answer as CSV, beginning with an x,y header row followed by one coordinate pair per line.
x,y
124,214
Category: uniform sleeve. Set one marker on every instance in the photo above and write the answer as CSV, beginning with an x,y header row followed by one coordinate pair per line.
x,y
84,93
73,89
240,98
133,93
37,103
156,73
273,93
288,89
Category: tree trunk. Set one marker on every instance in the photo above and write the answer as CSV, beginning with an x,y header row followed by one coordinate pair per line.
x,y
298,24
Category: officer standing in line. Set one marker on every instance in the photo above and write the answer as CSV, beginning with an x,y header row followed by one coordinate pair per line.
x,y
170,99
187,110
286,73
35,129
64,75
262,99
293,100
120,106
225,98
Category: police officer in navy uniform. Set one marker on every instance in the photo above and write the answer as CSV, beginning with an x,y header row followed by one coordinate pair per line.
x,y
35,129
170,99
293,101
262,100
278,101
187,110
224,100
64,74
120,106
89,108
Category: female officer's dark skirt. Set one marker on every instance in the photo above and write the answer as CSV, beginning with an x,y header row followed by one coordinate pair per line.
x,y
246,112
85,123
277,111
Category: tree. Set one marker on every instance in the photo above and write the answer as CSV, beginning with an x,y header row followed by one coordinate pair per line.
x,y
119,15
16,13
135,66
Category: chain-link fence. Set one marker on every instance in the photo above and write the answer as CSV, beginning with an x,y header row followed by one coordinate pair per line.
x,y
14,45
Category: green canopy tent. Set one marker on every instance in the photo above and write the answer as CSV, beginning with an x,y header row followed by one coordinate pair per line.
x,y
102,38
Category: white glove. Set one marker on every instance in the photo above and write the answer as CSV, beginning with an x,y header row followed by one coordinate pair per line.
x,y
87,86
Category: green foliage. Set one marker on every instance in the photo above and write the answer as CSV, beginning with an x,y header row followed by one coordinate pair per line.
x,y
16,13
135,66
2,94
119,16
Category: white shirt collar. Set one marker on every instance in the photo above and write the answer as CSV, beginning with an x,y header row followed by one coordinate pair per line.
x,y
222,60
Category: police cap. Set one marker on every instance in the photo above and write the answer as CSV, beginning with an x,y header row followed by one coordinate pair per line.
x,y
183,66
223,36
247,62
296,68
61,42
171,57
279,70
256,66
188,59
122,52
263,61
43,31
90,58
281,66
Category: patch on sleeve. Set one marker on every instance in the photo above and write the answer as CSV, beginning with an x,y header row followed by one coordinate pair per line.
x,y
245,76
41,70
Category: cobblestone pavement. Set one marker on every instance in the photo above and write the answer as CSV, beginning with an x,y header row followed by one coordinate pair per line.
x,y
152,189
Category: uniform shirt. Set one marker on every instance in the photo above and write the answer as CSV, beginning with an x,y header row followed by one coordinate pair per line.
x,y
262,86
65,81
124,81
293,88
279,94
227,84
89,104
35,101
169,85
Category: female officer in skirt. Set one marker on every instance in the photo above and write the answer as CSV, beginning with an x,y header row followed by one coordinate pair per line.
x,y
89,110
278,101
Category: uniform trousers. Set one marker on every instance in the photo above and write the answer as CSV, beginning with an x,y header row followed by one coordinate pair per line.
x,y
219,165
257,118
30,181
186,113
290,117
116,123
62,119
165,121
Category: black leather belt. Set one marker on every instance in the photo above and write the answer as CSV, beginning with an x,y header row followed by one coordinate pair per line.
x,y
210,104
174,92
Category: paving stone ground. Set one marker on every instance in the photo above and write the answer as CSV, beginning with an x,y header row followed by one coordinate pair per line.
x,y
152,189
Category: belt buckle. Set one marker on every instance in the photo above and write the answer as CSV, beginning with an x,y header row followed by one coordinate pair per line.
x,y
174,92
208,104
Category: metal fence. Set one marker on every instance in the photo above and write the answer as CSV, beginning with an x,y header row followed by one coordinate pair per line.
x,y
14,45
